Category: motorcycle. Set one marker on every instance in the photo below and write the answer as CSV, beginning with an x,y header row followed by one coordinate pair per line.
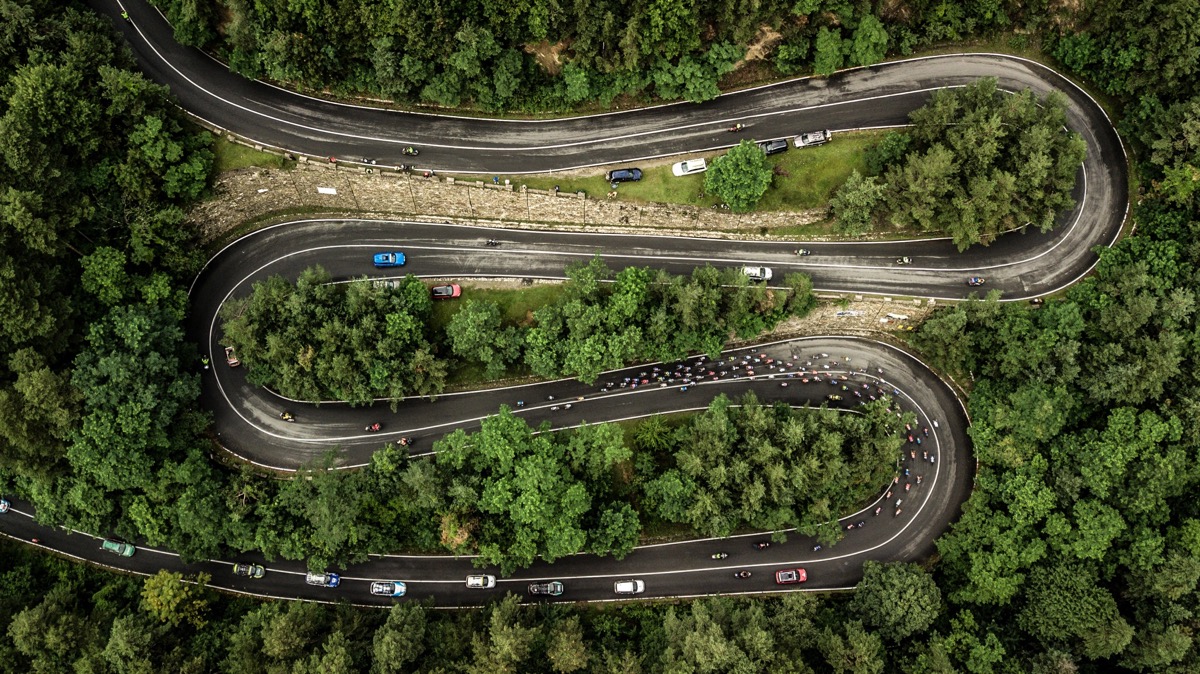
x,y
737,127
375,427
406,442
411,151
493,242
762,545
287,416
904,260
720,555
741,574
817,548
803,251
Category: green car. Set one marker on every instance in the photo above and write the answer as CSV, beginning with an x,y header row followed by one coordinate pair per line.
x,y
119,548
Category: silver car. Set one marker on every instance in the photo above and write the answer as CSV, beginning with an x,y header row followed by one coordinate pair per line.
x,y
481,582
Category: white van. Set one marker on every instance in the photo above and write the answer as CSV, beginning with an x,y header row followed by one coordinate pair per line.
x,y
689,167
757,273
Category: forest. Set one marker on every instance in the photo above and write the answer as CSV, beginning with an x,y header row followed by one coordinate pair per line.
x,y
1079,550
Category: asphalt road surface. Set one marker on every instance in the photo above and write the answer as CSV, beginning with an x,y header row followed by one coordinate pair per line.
x,y
1021,265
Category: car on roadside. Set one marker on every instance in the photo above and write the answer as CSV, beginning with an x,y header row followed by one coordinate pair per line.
x,y
631,586
446,292
813,138
790,576
323,579
231,358
975,281
481,582
625,175
553,588
118,547
770,147
392,259
388,588
689,167
249,570
758,273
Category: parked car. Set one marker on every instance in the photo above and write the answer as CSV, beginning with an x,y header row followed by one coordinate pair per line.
x,y
975,281
757,273
395,259
388,588
388,283
632,586
813,138
481,582
446,292
625,175
790,576
323,579
231,357
249,570
771,147
118,548
553,588
689,167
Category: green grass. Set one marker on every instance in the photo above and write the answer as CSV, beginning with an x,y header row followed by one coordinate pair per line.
x,y
809,177
232,156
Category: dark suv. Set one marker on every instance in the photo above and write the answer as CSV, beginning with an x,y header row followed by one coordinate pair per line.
x,y
773,146
625,175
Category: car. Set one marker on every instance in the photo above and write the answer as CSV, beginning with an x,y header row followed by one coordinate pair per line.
x,y
323,579
632,586
118,548
395,259
446,292
231,357
813,138
790,576
388,588
386,283
625,175
757,273
689,167
771,147
975,281
481,582
553,588
249,570
4,505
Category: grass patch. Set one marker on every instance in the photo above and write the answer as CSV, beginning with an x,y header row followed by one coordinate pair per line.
x,y
807,180
232,156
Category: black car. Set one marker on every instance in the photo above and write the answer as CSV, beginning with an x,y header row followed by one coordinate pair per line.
x,y
625,175
773,146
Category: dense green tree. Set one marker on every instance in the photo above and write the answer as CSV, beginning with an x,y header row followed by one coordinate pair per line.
x,y
855,203
740,177
174,600
898,599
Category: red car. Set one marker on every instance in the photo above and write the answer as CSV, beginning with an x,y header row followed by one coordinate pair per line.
x,y
790,576
446,292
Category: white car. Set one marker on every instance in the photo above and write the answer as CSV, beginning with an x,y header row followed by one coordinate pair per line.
x,y
687,168
629,587
481,582
757,273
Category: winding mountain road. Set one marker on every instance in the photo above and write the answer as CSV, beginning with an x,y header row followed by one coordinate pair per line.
x,y
1020,265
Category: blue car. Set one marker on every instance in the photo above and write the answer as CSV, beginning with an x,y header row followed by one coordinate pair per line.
x,y
390,588
323,579
395,259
